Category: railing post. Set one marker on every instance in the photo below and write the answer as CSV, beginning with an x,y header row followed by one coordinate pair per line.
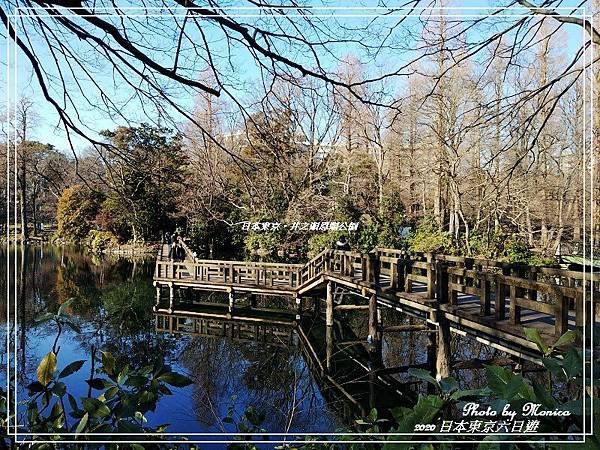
x,y
561,324
394,275
452,292
431,290
364,266
579,309
485,295
373,268
515,310
500,299
401,273
441,274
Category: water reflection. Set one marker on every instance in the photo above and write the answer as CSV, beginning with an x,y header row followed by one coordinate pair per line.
x,y
303,375
113,301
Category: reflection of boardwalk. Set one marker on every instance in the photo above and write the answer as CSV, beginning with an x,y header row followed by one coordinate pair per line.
x,y
279,332
488,300
350,378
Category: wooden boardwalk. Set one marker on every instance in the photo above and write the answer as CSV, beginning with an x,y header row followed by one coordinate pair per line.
x,y
488,300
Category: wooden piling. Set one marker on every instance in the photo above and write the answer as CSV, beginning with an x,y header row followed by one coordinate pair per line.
x,y
155,307
171,297
373,318
231,305
443,334
329,304
328,347
252,298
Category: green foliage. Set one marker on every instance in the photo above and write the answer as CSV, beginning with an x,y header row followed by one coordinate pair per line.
x,y
516,250
143,191
366,237
429,237
262,243
97,240
562,360
206,232
129,304
118,401
346,210
320,241
121,399
485,245
77,207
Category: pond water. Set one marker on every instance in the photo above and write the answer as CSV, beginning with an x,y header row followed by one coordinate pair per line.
x,y
276,374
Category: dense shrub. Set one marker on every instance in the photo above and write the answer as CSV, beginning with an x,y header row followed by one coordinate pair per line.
x,y
98,240
516,250
429,237
77,207
265,243
321,241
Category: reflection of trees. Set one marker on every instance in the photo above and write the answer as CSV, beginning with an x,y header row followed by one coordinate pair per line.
x,y
48,276
129,305
212,364
124,325
269,378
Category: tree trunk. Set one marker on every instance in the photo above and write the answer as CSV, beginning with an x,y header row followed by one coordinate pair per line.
x,y
23,206
34,213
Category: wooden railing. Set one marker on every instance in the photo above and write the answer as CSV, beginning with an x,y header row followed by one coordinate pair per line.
x,y
509,288
506,288
230,272
314,267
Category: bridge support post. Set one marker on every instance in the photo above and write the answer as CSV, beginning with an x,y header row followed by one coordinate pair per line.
x,y
155,307
443,357
231,301
432,346
373,320
298,301
328,347
375,364
442,365
171,297
329,304
252,298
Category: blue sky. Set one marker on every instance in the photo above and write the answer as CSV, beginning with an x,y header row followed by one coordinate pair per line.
x,y
243,71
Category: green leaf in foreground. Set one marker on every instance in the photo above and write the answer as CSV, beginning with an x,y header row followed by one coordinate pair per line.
x,y
95,407
46,369
108,362
82,423
71,368
533,334
175,379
